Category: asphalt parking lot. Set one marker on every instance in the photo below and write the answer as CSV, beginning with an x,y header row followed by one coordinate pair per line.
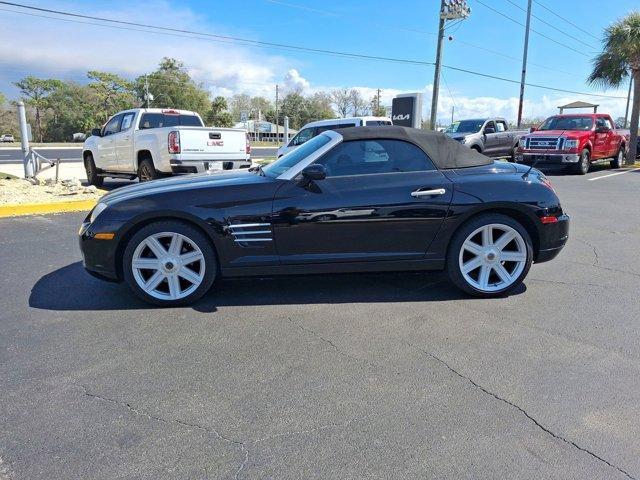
x,y
390,376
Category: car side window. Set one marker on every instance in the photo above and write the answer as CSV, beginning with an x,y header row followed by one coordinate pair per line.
x,y
303,136
112,126
501,126
151,120
365,157
127,120
490,125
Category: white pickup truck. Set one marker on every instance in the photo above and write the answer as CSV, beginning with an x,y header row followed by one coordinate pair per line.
x,y
150,143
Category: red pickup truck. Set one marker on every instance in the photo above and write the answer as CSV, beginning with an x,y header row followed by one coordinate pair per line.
x,y
575,142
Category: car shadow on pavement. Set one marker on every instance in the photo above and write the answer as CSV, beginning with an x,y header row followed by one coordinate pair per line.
x,y
71,288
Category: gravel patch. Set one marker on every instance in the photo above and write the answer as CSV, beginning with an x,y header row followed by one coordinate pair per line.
x,y
18,191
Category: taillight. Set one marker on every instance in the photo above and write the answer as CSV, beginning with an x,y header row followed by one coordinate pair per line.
x,y
248,145
549,219
174,142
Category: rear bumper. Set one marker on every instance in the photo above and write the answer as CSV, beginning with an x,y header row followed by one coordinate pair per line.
x,y
553,238
199,166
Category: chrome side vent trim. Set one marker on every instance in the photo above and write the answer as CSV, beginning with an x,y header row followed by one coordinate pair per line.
x,y
245,233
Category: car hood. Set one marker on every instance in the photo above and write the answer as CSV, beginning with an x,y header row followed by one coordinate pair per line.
x,y
186,182
496,167
459,136
558,133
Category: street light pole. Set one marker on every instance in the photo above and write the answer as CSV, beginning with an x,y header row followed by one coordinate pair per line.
x,y
524,64
449,10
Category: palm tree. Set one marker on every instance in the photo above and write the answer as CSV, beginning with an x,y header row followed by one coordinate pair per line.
x,y
620,59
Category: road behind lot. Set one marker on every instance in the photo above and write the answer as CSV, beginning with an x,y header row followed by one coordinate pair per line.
x,y
351,376
74,154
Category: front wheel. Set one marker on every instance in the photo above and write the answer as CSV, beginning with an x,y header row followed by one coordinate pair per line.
x,y
169,263
618,162
489,256
584,163
92,172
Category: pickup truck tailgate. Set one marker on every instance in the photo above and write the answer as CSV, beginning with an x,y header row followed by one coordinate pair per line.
x,y
212,144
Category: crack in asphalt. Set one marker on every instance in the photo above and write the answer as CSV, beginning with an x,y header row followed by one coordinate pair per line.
x,y
596,260
242,445
617,270
521,410
332,345
558,282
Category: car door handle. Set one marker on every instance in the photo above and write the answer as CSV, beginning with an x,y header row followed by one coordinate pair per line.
x,y
428,193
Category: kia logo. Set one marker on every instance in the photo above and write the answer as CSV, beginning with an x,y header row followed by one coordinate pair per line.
x,y
401,117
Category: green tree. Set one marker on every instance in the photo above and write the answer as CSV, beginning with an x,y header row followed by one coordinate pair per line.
x,y
72,108
35,92
377,110
240,102
620,60
294,107
113,92
218,115
172,87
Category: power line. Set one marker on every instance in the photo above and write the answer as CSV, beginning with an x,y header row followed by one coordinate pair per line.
x,y
551,25
535,31
567,20
231,39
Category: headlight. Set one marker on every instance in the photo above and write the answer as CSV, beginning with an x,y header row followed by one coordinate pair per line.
x,y
571,143
97,210
522,143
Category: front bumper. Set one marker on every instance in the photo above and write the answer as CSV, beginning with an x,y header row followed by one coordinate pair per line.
x,y
557,159
553,238
200,166
98,256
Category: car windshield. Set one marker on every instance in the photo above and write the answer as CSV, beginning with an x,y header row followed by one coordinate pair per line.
x,y
287,161
465,126
567,123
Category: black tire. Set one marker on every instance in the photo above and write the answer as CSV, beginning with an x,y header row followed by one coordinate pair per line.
x,y
147,171
92,172
618,161
582,168
195,236
458,239
514,151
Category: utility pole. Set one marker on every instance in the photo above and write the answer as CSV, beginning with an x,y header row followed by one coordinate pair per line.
x,y
453,108
626,112
277,127
449,10
524,63
147,95
378,103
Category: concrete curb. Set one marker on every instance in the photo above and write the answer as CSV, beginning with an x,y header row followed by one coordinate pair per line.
x,y
18,210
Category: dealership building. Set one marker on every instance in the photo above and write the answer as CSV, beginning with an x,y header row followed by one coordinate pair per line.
x,y
265,131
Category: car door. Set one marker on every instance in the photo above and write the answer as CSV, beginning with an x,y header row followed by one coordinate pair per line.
x,y
124,143
491,138
612,143
381,200
601,142
505,139
108,159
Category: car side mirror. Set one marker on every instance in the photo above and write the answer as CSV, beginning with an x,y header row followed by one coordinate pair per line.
x,y
314,172
96,132
533,129
489,130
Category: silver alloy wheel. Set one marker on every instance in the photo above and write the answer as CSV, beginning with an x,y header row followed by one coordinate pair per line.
x,y
492,257
168,265
620,159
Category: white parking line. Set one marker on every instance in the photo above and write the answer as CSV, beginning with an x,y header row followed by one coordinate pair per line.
x,y
613,174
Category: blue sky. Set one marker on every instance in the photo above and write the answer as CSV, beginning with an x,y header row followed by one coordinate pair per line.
x,y
405,29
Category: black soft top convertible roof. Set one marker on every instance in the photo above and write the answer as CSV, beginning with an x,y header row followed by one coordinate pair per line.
x,y
445,152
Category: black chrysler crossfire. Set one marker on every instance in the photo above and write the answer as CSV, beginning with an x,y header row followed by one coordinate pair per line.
x,y
366,199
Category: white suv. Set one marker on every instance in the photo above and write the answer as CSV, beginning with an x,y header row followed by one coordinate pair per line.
x,y
312,129
7,138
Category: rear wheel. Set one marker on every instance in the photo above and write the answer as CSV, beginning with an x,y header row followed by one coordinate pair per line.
x,y
618,162
514,152
584,162
489,256
92,172
169,263
147,171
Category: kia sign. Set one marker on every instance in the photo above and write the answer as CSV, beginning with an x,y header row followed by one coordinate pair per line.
x,y
406,110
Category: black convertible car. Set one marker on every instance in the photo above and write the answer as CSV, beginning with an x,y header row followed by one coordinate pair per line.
x,y
361,200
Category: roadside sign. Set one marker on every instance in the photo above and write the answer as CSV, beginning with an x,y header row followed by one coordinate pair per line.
x,y
406,110
244,116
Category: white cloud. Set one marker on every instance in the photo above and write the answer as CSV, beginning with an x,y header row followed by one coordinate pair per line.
x,y
63,49
293,81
